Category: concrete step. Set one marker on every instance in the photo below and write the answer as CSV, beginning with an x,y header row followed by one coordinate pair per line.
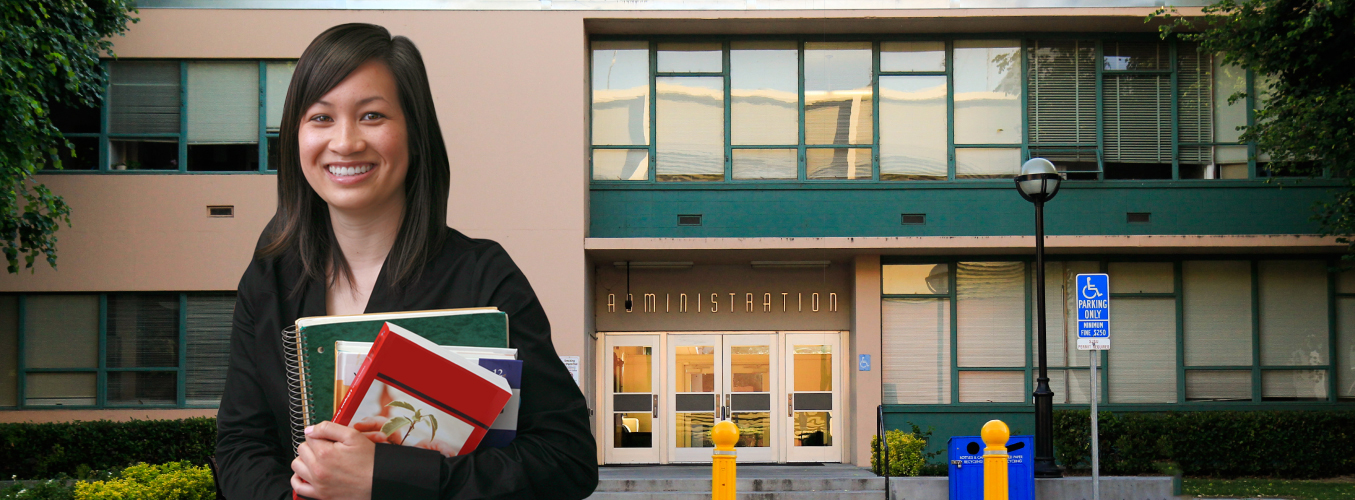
x,y
763,495
744,485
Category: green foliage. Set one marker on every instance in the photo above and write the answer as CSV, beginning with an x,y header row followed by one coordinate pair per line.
x,y
49,57
1272,488
395,424
59,488
1308,119
1284,444
171,481
34,451
905,454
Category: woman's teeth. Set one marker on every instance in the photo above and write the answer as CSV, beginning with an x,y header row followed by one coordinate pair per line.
x,y
346,171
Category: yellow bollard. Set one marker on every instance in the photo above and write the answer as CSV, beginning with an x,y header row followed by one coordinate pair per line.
x,y
995,434
723,475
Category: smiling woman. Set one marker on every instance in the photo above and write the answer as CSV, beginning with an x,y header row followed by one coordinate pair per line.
x,y
361,228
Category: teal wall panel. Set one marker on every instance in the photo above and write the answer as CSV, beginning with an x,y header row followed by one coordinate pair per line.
x,y
994,209
960,421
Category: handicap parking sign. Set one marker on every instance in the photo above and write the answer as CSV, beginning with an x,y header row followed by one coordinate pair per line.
x,y
1093,311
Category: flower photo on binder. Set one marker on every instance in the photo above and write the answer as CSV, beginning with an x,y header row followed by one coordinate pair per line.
x,y
411,392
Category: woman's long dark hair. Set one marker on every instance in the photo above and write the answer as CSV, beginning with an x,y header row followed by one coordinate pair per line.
x,y
301,227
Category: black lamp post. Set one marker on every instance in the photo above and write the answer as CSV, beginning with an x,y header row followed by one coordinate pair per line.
x,y
1039,182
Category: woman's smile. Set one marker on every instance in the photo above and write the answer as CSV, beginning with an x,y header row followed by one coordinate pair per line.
x,y
349,172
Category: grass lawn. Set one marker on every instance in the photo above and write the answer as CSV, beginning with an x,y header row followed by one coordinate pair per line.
x,y
1319,489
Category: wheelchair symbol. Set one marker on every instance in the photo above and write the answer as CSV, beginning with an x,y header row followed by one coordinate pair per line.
x,y
1089,290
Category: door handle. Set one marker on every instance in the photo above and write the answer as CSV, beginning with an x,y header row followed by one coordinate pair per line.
x,y
655,405
790,405
728,410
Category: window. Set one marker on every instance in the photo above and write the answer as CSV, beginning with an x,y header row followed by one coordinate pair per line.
x,y
945,109
1206,332
114,349
180,116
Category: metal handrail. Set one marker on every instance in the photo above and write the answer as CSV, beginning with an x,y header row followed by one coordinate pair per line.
x,y
884,444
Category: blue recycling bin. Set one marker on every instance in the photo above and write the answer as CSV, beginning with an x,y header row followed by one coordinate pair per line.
x,y
966,467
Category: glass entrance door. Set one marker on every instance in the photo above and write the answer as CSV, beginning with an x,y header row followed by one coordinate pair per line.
x,y
633,405
694,394
813,402
716,377
751,363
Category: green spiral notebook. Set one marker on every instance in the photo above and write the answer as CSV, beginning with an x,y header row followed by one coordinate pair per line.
x,y
310,352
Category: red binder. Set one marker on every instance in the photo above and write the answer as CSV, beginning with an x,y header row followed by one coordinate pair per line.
x,y
417,371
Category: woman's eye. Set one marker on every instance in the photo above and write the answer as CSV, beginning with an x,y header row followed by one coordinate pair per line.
x,y
373,116
320,118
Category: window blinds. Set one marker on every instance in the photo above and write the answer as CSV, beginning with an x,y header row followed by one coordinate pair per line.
x,y
1293,312
990,313
1138,119
223,103
61,331
278,77
1194,101
209,334
9,350
1345,347
1217,308
144,97
1062,80
1143,363
143,331
915,351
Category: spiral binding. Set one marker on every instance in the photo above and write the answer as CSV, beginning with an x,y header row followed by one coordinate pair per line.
x,y
291,352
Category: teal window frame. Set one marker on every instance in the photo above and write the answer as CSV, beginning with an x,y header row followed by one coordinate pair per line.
x,y
948,39
102,370
1332,368
105,137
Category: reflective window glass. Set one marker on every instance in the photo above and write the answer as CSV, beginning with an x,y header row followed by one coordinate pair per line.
x,y
838,93
764,93
916,279
987,163
621,93
690,138
913,128
913,56
988,90
702,57
766,163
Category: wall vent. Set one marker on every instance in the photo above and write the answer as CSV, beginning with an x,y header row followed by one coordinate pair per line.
x,y
914,219
689,220
1138,217
225,211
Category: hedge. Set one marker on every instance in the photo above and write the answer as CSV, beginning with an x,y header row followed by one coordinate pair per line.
x,y
1225,444
40,451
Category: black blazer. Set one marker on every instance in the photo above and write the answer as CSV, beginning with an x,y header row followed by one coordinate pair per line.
x,y
553,456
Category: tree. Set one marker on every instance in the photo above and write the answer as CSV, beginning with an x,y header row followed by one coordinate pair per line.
x,y
1307,125
49,59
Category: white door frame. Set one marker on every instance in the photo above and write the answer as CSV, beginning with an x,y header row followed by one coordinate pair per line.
x,y
664,426
795,400
612,453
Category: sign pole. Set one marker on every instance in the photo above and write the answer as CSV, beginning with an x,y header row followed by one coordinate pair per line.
x,y
1093,336
1096,440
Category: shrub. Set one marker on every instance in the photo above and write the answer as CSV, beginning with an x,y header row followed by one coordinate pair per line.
x,y
1282,444
171,481
905,454
38,451
51,489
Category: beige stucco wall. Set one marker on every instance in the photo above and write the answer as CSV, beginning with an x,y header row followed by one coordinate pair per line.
x,y
512,110
865,339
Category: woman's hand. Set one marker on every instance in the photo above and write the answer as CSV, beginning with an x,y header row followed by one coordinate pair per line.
x,y
334,463
371,427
